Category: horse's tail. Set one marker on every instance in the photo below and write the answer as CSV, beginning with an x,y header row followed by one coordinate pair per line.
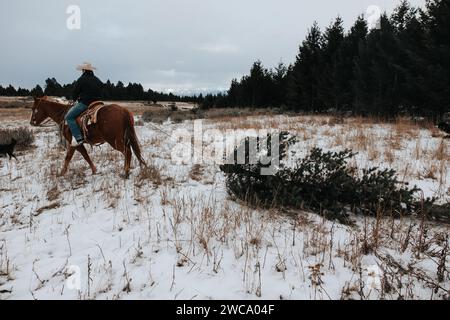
x,y
132,140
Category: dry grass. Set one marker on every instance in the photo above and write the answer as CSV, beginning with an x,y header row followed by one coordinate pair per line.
x,y
149,173
394,141
436,132
51,206
431,172
441,153
196,172
160,116
156,116
405,127
53,194
389,155
6,267
227,114
360,140
335,120
372,152
418,150
15,114
16,102
22,135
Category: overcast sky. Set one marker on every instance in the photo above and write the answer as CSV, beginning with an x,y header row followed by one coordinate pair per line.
x,y
163,44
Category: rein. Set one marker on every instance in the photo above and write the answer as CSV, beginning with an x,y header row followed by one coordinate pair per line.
x,y
48,120
45,122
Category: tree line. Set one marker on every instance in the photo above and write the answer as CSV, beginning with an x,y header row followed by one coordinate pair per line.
x,y
111,91
401,66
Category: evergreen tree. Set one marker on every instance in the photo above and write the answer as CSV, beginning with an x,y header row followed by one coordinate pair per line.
x,y
401,16
378,74
331,80
10,91
53,88
348,52
411,44
23,92
235,94
303,81
362,80
436,20
120,91
67,90
108,90
37,91
280,84
257,84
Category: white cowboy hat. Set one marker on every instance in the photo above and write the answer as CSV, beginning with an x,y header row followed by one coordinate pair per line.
x,y
86,66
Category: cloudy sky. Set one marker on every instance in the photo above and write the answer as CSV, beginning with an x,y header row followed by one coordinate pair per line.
x,y
178,45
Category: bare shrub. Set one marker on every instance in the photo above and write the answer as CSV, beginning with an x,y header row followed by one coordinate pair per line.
x,y
156,116
163,115
441,152
435,132
336,120
180,116
51,206
431,172
150,173
389,155
24,137
17,102
196,172
53,194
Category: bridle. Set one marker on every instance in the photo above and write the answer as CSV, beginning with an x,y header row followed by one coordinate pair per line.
x,y
33,115
44,122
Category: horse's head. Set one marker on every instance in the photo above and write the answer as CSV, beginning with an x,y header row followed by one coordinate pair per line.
x,y
38,114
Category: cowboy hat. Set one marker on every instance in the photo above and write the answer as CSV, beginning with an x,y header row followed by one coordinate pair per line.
x,y
86,66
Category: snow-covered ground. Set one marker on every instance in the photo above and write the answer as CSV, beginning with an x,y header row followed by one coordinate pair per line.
x,y
173,232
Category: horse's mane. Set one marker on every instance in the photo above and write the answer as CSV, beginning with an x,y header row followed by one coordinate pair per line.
x,y
60,109
55,103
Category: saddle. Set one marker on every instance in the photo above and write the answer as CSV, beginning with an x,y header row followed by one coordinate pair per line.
x,y
89,118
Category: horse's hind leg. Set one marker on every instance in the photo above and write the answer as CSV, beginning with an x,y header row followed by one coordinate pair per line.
x,y
69,156
86,157
128,155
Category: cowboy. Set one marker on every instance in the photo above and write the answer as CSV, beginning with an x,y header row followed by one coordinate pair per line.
x,y
88,88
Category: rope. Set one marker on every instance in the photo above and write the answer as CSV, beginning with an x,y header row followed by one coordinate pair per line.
x,y
43,124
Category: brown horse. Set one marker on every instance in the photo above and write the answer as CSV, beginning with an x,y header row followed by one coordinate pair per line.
x,y
115,125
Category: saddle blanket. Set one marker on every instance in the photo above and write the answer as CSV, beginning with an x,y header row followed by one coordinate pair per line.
x,y
89,117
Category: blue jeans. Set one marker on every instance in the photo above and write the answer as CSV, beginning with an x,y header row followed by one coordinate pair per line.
x,y
71,119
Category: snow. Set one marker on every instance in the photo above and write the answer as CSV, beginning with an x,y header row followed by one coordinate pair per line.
x,y
186,239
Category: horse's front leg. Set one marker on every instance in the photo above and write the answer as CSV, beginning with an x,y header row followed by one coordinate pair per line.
x,y
86,157
69,156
